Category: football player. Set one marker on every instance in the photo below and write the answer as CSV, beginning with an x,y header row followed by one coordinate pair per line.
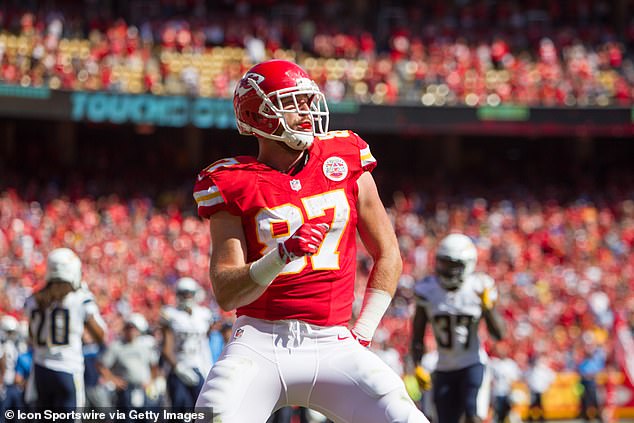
x,y
11,396
59,313
283,227
453,301
186,349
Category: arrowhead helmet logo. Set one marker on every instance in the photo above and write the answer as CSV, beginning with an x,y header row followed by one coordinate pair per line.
x,y
245,86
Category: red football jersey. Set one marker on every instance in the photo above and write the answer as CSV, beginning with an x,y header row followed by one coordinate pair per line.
x,y
273,205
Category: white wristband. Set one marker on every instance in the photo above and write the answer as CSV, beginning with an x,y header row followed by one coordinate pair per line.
x,y
266,268
375,303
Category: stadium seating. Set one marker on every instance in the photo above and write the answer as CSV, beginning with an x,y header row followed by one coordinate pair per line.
x,y
528,61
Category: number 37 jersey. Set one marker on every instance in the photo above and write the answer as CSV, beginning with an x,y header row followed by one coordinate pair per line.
x,y
272,205
455,317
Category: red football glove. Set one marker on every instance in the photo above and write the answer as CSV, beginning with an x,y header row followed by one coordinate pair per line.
x,y
304,242
365,342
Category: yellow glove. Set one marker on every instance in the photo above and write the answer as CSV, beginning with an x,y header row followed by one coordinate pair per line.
x,y
487,302
412,387
423,378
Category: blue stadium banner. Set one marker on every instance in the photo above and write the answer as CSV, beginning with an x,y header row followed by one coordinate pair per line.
x,y
7,90
174,111
109,108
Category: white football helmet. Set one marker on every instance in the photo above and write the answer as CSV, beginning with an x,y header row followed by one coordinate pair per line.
x,y
456,258
9,323
138,321
63,265
9,326
187,292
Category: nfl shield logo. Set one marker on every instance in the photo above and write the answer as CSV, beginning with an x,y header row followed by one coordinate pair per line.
x,y
238,333
296,185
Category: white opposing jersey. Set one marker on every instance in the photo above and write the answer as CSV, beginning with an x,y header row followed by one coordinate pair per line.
x,y
504,372
57,330
191,341
455,317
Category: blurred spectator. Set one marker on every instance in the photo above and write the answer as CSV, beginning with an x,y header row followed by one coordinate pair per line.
x,y
23,371
97,395
12,395
504,372
425,60
219,336
613,379
130,364
539,377
591,364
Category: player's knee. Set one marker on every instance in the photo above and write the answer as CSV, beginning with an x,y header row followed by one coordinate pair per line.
x,y
401,409
226,385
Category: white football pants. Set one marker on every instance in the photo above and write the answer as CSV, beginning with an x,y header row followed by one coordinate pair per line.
x,y
268,365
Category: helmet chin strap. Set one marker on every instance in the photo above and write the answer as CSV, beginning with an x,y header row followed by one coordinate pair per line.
x,y
298,141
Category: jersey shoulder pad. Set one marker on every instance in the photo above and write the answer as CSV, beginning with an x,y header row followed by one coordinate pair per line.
x,y
423,288
166,315
350,144
205,314
87,301
226,164
214,181
483,280
349,147
85,295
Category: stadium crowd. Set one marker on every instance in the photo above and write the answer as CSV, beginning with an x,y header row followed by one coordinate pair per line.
x,y
564,270
477,53
561,255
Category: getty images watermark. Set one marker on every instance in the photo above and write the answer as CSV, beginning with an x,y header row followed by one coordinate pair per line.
x,y
109,415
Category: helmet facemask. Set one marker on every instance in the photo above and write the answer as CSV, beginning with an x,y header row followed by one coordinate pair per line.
x,y
188,293
186,299
272,107
456,258
451,272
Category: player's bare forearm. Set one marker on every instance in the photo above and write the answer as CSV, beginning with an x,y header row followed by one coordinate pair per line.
x,y
385,273
495,323
234,287
168,346
96,330
377,234
228,270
